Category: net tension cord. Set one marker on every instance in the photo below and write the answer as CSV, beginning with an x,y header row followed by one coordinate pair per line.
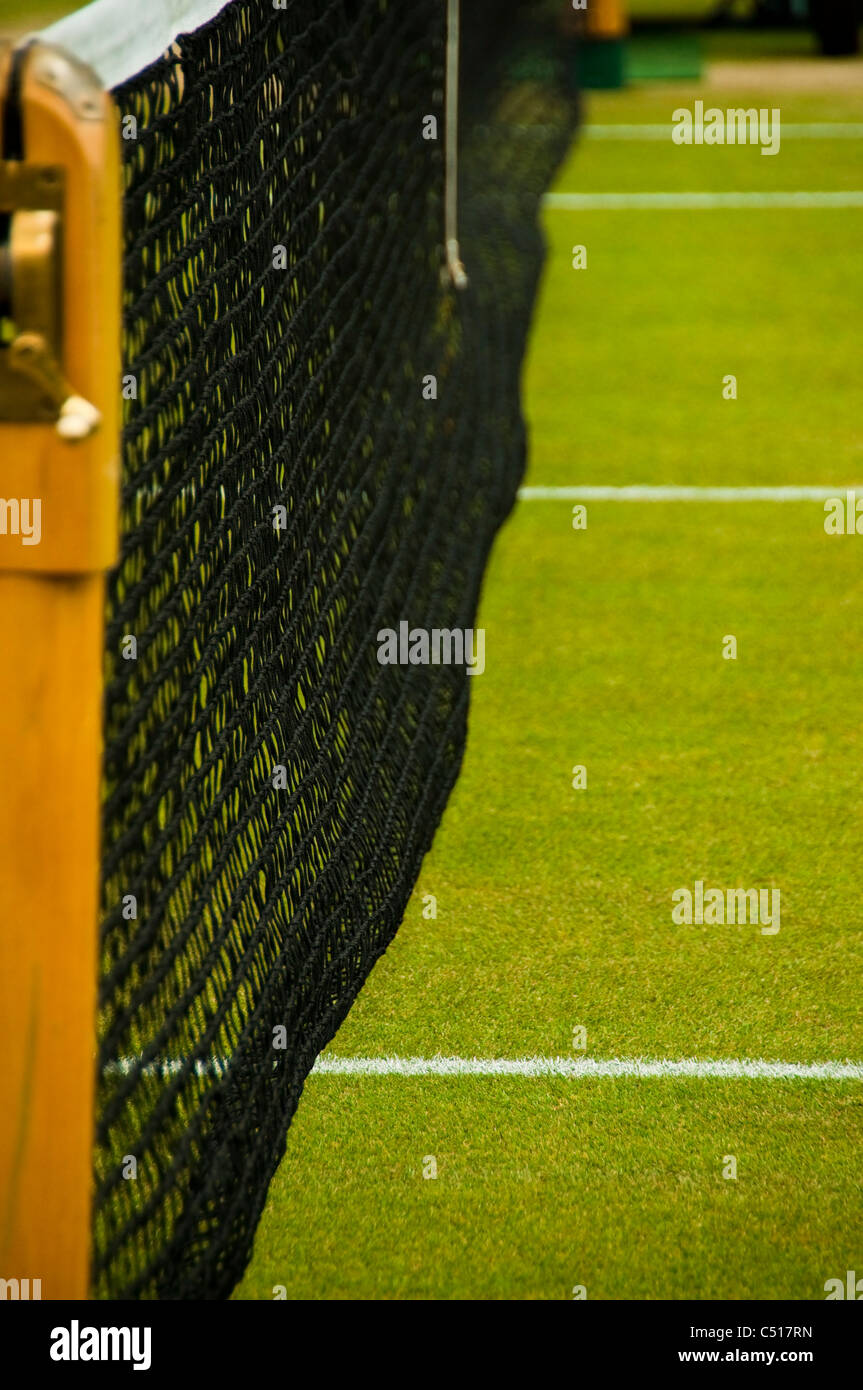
x,y
454,268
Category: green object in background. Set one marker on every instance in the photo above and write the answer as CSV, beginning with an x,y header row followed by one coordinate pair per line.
x,y
601,64
663,57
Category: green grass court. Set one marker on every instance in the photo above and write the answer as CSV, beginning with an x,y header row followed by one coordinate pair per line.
x,y
604,649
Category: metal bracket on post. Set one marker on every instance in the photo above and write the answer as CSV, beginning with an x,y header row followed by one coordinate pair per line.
x,y
59,268
60,200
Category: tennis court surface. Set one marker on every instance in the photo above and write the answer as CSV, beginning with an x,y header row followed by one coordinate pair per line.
x,y
605,651
527,971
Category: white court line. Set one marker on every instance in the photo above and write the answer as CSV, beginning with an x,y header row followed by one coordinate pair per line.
x,y
805,130
586,1067
575,1067
593,202
167,1067
661,492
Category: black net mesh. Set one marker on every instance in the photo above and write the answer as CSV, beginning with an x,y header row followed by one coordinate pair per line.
x,y
238,900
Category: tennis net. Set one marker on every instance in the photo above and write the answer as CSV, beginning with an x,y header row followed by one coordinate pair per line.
x,y
321,438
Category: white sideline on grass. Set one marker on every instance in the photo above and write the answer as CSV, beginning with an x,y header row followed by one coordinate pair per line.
x,y
118,39
671,492
592,202
791,130
575,1067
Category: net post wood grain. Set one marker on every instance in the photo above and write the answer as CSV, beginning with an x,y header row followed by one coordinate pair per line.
x,y
52,604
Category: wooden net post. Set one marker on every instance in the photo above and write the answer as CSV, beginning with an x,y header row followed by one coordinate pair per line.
x,y
59,461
